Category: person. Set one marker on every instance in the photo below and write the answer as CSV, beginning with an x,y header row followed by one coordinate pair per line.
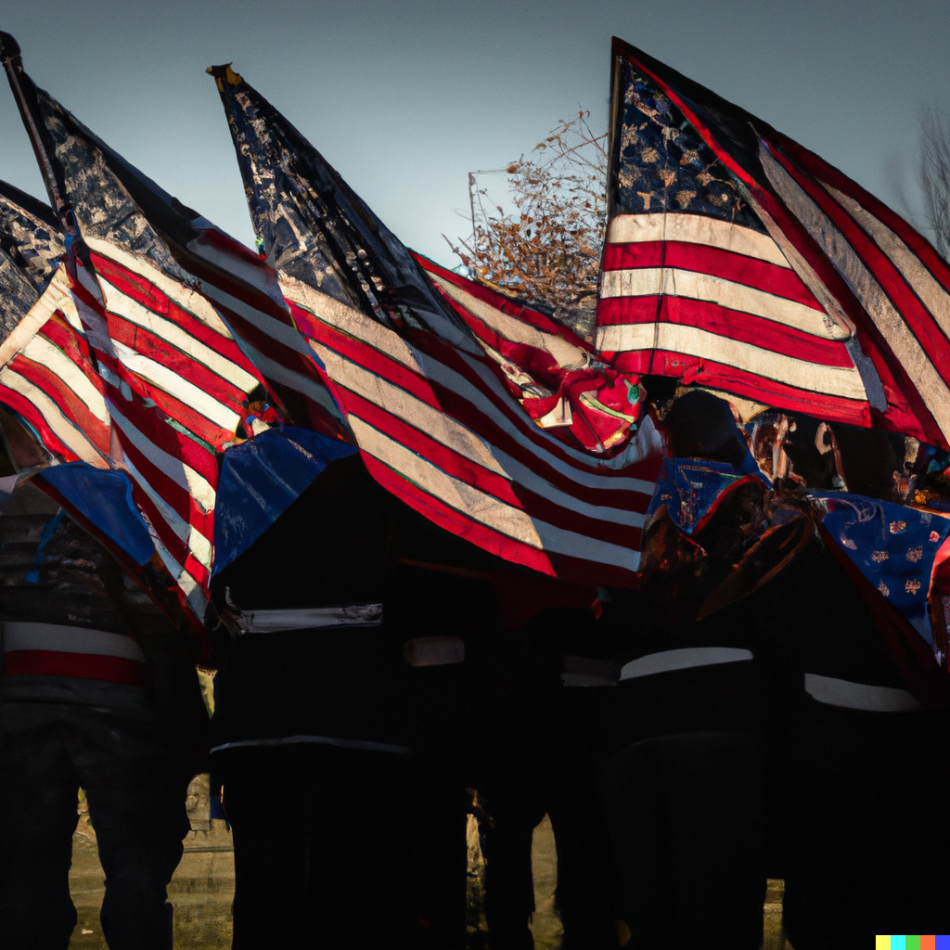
x,y
97,691
350,626
865,759
682,784
538,742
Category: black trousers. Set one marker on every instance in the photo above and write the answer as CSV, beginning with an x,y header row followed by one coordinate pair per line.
x,y
540,757
686,822
867,833
344,848
517,802
136,799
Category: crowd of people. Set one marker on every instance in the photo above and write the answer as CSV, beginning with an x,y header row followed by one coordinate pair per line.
x,y
740,716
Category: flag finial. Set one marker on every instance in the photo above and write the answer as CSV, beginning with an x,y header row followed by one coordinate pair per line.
x,y
223,74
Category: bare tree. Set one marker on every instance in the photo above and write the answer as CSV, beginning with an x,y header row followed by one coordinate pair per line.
x,y
935,174
547,249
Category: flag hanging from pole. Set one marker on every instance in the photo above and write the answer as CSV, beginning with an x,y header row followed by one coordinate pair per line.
x,y
737,260
432,413
187,330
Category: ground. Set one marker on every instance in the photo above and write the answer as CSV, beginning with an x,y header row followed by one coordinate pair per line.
x,y
202,886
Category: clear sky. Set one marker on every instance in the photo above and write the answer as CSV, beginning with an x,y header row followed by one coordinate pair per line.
x,y
405,97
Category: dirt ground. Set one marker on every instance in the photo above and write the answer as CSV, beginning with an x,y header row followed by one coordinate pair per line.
x,y
204,882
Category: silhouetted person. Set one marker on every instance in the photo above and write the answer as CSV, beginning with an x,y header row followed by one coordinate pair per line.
x,y
337,725
682,789
98,691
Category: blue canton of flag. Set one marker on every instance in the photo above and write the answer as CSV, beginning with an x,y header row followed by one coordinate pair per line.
x,y
893,546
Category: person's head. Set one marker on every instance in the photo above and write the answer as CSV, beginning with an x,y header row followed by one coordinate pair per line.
x,y
811,448
701,425
872,461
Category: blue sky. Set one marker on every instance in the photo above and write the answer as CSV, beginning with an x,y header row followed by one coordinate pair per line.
x,y
405,97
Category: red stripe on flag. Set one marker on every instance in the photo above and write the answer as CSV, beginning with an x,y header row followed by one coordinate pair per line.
x,y
155,301
716,262
730,324
918,318
21,405
169,491
58,330
819,168
152,424
769,392
447,401
177,548
455,521
182,363
71,406
471,473
506,305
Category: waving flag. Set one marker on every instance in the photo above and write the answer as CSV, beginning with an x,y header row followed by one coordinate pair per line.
x,y
433,414
738,260
557,376
46,372
158,292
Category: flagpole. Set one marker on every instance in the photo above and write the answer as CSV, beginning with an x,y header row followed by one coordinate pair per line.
x,y
13,64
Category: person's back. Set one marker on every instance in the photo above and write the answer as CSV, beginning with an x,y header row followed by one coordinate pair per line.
x,y
77,709
342,681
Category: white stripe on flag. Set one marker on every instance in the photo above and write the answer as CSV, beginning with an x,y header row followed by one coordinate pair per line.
x,y
175,385
843,381
194,595
373,334
486,509
176,336
674,282
924,284
283,333
565,353
188,534
45,352
904,344
483,508
55,297
67,433
694,229
186,298
311,388
454,435
181,474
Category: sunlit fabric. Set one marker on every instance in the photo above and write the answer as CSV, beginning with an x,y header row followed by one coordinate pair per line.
x,y
559,379
738,260
46,372
432,413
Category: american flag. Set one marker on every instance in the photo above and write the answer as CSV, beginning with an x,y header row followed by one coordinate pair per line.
x,y
737,260
432,412
557,376
46,372
151,284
